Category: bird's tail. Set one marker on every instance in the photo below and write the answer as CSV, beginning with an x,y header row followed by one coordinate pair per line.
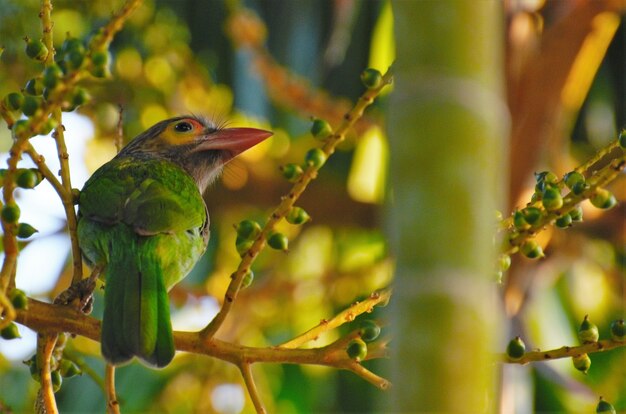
x,y
136,318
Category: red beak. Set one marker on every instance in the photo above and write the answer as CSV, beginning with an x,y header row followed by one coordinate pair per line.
x,y
233,140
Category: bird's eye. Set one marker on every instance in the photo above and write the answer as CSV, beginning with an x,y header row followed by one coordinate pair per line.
x,y
183,127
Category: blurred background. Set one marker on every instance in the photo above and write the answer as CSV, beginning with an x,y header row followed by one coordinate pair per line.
x,y
274,65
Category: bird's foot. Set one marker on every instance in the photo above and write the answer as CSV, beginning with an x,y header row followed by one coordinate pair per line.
x,y
79,295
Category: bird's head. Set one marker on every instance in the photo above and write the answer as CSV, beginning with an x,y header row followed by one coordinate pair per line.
x,y
196,144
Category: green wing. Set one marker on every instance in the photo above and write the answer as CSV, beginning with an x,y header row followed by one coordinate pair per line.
x,y
151,196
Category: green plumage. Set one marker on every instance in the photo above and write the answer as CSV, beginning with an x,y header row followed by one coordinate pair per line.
x,y
146,220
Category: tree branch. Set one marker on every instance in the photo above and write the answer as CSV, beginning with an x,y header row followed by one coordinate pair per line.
x,y
565,352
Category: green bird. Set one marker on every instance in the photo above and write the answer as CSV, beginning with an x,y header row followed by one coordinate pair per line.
x,y
142,219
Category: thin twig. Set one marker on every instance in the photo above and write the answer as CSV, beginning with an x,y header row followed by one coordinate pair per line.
x,y
113,406
347,315
246,372
287,203
45,347
565,352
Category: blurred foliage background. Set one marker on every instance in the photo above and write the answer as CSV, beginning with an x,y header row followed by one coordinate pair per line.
x,y
564,74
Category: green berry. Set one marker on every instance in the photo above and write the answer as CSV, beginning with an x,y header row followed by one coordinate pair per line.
x,y
519,221
68,369
10,213
531,249
278,241
580,187
573,178
297,215
100,64
582,363
369,330
73,59
315,157
36,49
618,330
291,172
28,177
588,331
546,177
516,348
576,214
371,78
531,215
18,299
51,76
13,101
48,126
20,127
10,332
247,279
57,380
604,407
551,199
80,97
72,44
248,230
243,245
357,349
321,129
34,87
603,199
31,104
564,221
25,230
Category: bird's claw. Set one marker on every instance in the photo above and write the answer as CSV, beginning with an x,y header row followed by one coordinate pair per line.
x,y
79,295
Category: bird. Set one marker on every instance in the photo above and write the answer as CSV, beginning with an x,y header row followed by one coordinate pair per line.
x,y
143,221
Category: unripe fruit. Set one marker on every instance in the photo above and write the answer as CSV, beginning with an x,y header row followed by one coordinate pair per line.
x,y
18,299
13,101
297,215
531,249
80,97
48,126
588,331
315,157
603,199
57,380
564,221
10,332
278,241
100,64
248,229
51,76
576,214
504,262
371,78
604,407
34,87
551,199
618,330
28,177
36,49
247,279
369,330
516,348
321,129
68,369
243,245
545,179
357,349
25,230
580,187
20,127
73,59
10,213
582,363
519,221
291,172
31,104
573,178
72,44
531,215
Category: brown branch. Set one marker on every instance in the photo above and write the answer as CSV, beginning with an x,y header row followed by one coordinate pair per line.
x,y
47,318
45,347
565,352
113,406
288,201
246,372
